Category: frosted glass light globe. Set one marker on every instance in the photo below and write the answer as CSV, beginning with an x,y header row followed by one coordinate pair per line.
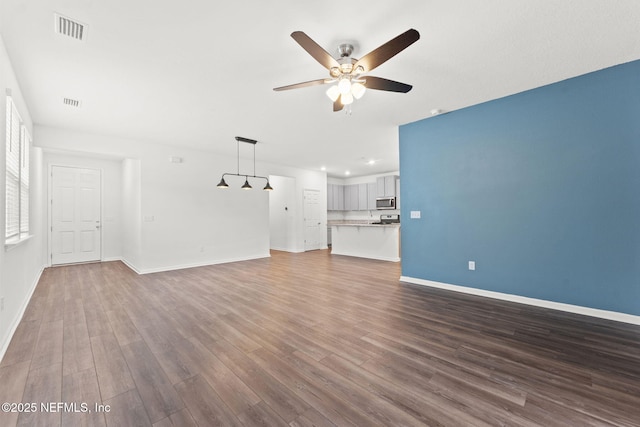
x,y
344,86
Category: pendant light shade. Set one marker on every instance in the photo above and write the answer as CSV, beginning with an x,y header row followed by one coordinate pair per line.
x,y
246,185
223,183
268,187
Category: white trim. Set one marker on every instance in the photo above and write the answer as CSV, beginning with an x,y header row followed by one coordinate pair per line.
x,y
193,265
586,311
15,242
4,344
130,265
293,251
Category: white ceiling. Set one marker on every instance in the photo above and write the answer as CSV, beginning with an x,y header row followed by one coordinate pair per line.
x,y
197,73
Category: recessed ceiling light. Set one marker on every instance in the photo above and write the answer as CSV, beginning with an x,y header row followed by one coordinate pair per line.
x,y
323,168
347,173
371,162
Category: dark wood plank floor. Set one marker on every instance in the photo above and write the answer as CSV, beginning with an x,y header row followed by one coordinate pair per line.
x,y
307,339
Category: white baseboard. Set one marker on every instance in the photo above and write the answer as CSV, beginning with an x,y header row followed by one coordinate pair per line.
x,y
197,264
603,314
128,264
293,251
4,345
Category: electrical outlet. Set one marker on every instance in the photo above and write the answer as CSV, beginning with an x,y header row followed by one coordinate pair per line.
x,y
415,214
472,265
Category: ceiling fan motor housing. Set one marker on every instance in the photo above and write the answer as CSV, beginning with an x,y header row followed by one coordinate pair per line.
x,y
345,50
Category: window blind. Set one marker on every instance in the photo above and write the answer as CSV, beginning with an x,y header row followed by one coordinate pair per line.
x,y
17,143
25,144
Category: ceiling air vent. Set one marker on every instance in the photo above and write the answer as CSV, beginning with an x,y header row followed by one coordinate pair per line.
x,y
69,27
71,102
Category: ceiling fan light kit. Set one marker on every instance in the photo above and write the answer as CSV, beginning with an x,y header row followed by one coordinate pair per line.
x,y
246,186
347,71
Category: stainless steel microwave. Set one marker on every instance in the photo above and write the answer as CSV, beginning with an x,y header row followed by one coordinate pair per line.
x,y
386,203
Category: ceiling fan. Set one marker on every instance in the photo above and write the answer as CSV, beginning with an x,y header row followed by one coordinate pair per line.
x,y
347,72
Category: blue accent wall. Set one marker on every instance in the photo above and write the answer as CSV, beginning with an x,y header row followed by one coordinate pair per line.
x,y
541,189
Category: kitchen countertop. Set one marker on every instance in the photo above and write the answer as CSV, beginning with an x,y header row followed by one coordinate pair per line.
x,y
366,225
359,223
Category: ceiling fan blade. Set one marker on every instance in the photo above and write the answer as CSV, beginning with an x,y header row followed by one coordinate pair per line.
x,y
337,104
314,49
299,85
378,83
387,51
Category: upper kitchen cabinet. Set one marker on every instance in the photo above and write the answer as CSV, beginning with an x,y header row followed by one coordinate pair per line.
x,y
372,193
338,197
351,197
387,186
363,199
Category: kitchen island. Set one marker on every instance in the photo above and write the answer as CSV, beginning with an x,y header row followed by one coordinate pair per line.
x,y
366,240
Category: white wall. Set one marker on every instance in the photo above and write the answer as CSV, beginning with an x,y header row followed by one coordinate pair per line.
x,y
173,214
188,221
21,266
282,213
131,237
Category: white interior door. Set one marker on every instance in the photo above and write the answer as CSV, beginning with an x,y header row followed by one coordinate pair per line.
x,y
312,224
75,215
282,213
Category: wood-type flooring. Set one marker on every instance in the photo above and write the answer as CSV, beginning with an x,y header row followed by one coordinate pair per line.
x,y
306,339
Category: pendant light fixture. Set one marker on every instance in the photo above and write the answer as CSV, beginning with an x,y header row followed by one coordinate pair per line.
x,y
246,185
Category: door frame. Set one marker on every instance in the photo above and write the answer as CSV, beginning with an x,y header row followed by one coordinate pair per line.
x,y
50,211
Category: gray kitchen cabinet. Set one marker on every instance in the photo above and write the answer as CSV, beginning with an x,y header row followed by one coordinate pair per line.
x,y
351,197
363,202
372,193
338,197
390,186
330,197
347,197
380,186
354,195
386,186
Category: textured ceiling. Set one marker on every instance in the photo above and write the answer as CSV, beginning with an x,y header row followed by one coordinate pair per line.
x,y
198,73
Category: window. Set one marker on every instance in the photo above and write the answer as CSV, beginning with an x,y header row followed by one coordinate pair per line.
x,y
18,143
